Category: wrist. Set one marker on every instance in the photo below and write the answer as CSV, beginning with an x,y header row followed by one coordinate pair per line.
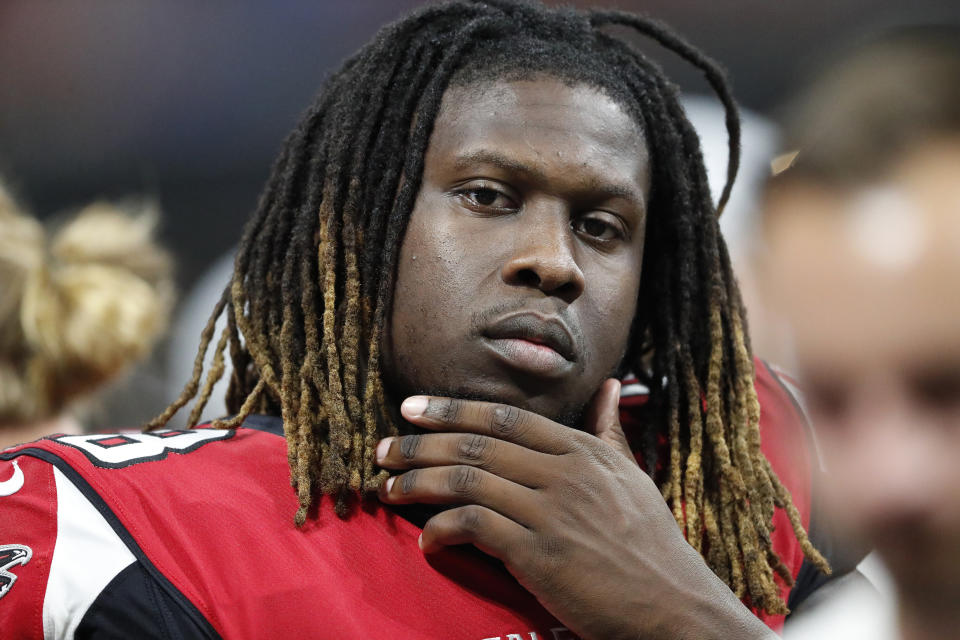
x,y
722,617
702,606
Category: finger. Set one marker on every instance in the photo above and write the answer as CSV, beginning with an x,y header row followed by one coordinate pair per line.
x,y
502,458
500,421
487,530
461,484
603,417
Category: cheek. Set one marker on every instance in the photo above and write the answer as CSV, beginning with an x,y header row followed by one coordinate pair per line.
x,y
848,462
434,271
611,303
434,282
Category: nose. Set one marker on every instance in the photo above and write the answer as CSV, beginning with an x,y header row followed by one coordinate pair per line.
x,y
542,254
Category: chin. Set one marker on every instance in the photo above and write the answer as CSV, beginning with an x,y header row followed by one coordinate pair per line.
x,y
475,379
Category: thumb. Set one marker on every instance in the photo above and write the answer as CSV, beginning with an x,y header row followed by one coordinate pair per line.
x,y
603,417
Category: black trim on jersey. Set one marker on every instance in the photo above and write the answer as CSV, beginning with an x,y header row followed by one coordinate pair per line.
x,y
133,605
842,558
173,595
267,424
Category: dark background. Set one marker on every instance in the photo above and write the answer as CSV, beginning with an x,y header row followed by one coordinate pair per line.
x,y
189,101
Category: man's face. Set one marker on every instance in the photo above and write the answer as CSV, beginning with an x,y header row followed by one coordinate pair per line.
x,y
870,279
519,272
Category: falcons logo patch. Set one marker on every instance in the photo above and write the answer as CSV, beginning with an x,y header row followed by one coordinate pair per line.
x,y
11,555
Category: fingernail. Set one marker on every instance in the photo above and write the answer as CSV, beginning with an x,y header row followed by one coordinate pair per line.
x,y
420,542
388,484
382,448
414,406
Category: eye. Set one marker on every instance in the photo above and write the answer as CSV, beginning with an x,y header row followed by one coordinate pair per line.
x,y
605,227
486,197
938,389
827,400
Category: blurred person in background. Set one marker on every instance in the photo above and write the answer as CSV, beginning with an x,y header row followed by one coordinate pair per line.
x,y
80,303
863,233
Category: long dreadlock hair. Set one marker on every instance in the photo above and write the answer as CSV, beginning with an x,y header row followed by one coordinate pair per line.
x,y
314,275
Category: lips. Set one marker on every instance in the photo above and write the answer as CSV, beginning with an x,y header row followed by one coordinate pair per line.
x,y
548,332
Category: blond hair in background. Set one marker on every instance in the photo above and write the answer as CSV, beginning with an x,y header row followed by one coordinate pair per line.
x,y
78,305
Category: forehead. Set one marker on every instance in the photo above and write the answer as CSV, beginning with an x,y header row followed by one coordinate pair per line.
x,y
545,123
869,276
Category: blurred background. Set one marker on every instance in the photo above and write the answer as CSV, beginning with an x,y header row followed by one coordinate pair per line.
x,y
188,103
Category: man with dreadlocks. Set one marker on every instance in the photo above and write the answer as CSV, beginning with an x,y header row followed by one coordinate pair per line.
x,y
460,222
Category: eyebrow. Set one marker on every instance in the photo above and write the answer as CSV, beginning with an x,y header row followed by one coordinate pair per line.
x,y
496,159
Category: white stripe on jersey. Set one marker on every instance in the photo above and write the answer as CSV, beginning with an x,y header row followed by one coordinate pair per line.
x,y
633,389
630,386
88,554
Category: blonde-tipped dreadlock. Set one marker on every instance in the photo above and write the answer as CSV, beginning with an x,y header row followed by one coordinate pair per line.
x,y
313,279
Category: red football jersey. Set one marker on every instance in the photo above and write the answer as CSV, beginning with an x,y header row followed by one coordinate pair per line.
x,y
189,533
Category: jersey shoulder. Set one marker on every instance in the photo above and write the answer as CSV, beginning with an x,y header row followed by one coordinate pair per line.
x,y
175,459
211,521
85,516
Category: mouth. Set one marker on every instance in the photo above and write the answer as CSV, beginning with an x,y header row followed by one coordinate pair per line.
x,y
532,343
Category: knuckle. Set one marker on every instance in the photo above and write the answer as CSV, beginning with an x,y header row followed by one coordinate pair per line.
x,y
581,444
446,410
549,547
469,518
505,420
474,448
409,445
464,480
545,556
607,457
581,489
408,481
